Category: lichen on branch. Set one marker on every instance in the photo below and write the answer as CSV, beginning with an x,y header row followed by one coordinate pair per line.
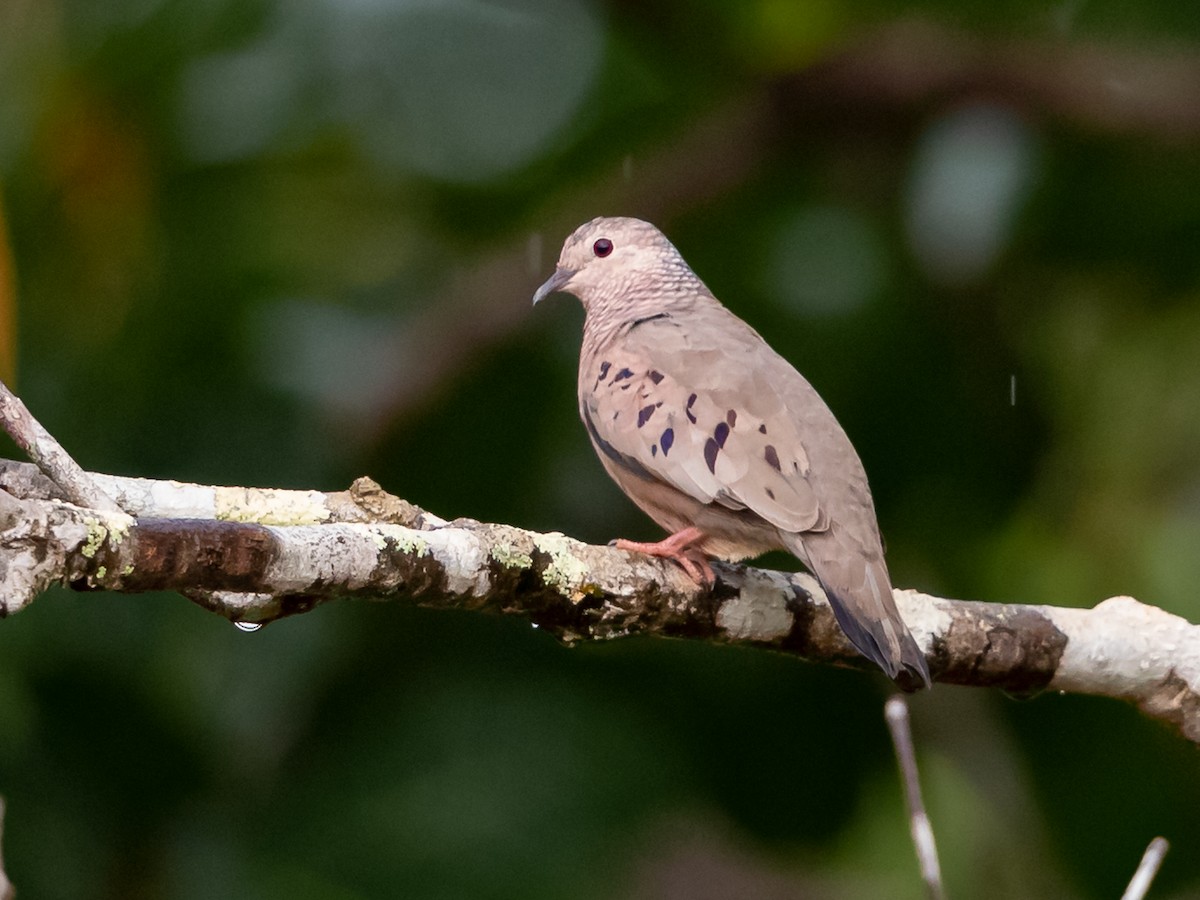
x,y
278,553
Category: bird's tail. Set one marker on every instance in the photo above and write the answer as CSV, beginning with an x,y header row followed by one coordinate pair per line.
x,y
860,593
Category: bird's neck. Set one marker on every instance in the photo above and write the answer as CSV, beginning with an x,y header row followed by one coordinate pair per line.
x,y
607,319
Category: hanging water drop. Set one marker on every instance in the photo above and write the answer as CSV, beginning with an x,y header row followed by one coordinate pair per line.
x,y
248,626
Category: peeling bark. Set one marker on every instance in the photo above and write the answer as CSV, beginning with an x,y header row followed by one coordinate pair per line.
x,y
254,555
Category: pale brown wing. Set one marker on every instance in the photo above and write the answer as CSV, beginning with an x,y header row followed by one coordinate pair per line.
x,y
694,409
713,411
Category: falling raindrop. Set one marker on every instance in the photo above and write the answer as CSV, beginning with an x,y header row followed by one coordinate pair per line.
x,y
533,253
248,626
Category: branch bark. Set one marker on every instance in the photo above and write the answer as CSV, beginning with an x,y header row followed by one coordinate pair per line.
x,y
253,556
51,458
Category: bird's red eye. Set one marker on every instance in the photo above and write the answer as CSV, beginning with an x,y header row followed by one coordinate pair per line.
x,y
602,247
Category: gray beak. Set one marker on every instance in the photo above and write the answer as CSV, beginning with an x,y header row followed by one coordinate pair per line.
x,y
555,282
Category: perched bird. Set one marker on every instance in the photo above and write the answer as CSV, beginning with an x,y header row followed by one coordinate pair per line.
x,y
718,438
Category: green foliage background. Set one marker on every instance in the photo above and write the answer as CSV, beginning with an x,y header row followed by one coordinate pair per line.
x,y
288,244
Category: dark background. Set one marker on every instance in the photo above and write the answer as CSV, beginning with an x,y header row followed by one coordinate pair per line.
x,y
288,244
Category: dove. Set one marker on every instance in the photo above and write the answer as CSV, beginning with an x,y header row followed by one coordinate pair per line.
x,y
718,438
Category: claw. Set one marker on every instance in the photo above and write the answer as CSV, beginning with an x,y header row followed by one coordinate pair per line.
x,y
681,548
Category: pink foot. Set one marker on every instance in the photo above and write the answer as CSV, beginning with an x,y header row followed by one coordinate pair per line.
x,y
679,547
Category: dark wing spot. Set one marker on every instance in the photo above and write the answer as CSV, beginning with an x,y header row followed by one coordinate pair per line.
x,y
710,454
770,493
731,417
667,439
656,377
721,434
762,429
604,367
627,462
772,458
622,375
654,449
645,413
691,417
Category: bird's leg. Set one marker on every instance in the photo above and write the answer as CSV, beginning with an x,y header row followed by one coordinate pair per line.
x,y
680,547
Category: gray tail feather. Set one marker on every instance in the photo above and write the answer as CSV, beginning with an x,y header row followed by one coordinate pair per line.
x,y
902,660
860,593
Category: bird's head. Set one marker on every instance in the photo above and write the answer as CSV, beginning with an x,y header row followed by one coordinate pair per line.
x,y
612,258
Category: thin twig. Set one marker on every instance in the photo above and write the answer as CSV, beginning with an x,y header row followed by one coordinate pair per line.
x,y
1147,869
49,455
896,713
7,891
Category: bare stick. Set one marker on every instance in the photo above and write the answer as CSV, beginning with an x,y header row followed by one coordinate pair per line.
x,y
49,454
7,891
896,713
1147,869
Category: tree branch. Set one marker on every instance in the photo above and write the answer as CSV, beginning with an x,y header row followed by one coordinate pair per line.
x,y
1139,885
895,712
1110,87
51,458
7,891
257,555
